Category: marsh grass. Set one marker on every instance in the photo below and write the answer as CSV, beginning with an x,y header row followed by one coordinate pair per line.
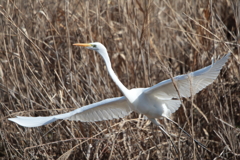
x,y
42,74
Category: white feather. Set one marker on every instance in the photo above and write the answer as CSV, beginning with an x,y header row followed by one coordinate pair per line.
x,y
104,110
187,84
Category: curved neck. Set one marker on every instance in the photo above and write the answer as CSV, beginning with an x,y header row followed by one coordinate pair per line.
x,y
114,76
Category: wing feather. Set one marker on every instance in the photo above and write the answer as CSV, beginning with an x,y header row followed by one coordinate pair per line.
x,y
188,84
103,110
172,105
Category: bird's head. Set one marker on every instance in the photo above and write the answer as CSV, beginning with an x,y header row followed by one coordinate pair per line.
x,y
96,46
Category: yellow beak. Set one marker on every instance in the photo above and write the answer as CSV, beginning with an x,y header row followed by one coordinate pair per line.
x,y
82,44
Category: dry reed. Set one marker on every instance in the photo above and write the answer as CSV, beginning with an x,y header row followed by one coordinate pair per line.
x,y
42,74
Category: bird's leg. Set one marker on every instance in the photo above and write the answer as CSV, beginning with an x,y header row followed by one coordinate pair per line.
x,y
153,120
197,142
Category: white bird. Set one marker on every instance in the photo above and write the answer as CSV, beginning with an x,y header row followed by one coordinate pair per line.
x,y
153,102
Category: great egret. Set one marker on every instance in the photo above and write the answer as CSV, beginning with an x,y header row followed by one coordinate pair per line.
x,y
153,102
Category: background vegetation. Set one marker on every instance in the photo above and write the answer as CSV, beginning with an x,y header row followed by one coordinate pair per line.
x,y
42,73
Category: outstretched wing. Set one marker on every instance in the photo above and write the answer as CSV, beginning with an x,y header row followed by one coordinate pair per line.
x,y
103,110
188,84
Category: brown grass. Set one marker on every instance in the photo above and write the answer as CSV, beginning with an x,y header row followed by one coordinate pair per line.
x,y
41,73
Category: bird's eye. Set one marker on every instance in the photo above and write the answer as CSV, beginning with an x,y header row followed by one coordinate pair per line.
x,y
94,45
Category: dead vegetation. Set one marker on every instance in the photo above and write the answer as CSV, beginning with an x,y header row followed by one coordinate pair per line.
x,y
42,74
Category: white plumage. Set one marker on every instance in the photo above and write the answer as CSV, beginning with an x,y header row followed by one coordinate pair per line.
x,y
153,102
